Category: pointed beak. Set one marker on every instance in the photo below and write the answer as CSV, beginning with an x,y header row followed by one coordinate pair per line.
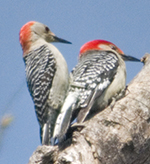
x,y
129,58
56,39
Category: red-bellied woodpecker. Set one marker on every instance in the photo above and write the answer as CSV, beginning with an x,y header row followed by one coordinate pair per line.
x,y
46,73
99,76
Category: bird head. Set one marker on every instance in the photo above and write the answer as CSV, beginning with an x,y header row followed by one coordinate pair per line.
x,y
32,31
104,45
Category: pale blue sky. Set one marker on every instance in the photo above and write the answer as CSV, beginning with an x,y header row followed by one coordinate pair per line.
x,y
125,23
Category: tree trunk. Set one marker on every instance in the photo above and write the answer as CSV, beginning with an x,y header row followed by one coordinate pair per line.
x,y
114,136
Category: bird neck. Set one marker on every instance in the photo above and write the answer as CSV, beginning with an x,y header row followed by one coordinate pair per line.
x,y
25,47
32,45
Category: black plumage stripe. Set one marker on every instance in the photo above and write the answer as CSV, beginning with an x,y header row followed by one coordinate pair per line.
x,y
95,68
40,70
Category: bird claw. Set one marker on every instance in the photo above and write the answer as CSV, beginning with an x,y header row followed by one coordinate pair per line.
x,y
118,97
78,126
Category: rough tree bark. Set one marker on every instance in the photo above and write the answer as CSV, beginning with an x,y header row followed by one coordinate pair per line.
x,y
114,136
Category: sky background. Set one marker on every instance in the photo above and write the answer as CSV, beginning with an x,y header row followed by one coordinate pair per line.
x,y
125,23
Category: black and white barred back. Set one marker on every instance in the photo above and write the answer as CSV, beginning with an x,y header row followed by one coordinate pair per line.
x,y
92,75
40,70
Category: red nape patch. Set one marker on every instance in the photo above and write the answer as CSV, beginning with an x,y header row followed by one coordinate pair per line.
x,y
25,33
92,45
95,45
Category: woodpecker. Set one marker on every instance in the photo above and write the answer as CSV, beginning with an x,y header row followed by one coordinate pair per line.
x,y
46,74
98,78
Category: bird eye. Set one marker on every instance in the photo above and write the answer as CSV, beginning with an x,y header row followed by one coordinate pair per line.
x,y
47,29
113,47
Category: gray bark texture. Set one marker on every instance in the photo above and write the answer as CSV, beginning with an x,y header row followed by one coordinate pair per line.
x,y
118,135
